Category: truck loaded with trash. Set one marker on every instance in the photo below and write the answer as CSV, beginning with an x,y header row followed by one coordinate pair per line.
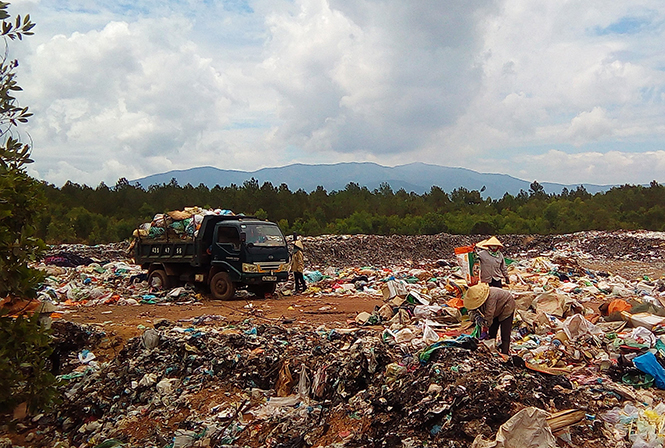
x,y
215,248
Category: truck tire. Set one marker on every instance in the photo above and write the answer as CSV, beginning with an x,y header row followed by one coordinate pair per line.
x,y
221,286
261,290
158,280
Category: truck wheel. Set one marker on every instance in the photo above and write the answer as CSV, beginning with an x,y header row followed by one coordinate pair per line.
x,y
158,280
221,286
263,289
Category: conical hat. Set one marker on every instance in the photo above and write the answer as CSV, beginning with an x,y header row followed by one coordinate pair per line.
x,y
476,295
489,242
299,245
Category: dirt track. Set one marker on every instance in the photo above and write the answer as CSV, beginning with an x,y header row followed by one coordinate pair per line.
x,y
128,321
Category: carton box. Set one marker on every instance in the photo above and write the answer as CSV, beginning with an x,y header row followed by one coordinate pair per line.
x,y
392,289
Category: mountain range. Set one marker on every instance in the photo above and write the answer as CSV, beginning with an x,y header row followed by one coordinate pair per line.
x,y
414,177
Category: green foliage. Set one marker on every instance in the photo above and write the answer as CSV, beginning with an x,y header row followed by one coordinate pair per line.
x,y
19,204
261,214
20,195
24,377
24,344
83,214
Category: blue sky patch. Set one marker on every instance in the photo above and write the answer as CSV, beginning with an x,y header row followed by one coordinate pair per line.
x,y
240,6
625,25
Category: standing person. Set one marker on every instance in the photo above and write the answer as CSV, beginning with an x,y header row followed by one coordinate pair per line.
x,y
494,308
492,264
298,266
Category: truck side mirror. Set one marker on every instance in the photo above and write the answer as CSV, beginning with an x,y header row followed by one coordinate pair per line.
x,y
243,237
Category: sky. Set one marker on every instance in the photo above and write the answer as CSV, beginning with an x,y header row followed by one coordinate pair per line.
x,y
570,91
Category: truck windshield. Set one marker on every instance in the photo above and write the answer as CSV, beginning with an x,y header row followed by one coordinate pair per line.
x,y
264,235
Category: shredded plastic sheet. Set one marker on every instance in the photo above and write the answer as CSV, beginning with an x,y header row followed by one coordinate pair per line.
x,y
526,429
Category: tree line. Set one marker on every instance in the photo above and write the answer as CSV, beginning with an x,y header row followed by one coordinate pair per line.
x,y
79,213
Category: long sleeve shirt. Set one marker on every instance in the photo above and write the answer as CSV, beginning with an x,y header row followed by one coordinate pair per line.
x,y
492,266
298,261
500,304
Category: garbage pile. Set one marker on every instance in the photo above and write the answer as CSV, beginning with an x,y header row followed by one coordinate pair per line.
x,y
111,283
377,250
187,384
72,255
587,364
80,274
182,224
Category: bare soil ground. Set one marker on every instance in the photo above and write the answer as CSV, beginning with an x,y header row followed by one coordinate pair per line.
x,y
129,321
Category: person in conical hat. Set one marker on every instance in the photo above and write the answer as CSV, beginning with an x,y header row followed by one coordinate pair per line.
x,y
493,270
490,242
494,308
298,266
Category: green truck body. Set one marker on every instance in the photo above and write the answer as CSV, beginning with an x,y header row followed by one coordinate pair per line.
x,y
228,253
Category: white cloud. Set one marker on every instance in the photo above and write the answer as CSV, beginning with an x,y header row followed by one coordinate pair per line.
x,y
568,90
371,77
590,127
544,65
613,167
128,92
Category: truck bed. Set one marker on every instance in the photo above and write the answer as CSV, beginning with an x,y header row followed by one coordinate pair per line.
x,y
174,251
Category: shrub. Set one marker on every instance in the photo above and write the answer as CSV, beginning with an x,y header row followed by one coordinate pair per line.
x,y
24,374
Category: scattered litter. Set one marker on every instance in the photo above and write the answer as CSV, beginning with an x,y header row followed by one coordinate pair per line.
x,y
587,350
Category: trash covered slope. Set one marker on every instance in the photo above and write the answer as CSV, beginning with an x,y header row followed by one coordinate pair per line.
x,y
587,350
259,385
376,250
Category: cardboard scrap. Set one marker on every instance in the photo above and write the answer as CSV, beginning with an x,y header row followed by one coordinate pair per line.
x,y
394,288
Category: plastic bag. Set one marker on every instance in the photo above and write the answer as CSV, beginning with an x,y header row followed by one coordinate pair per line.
x,y
284,381
612,416
303,383
576,326
648,363
404,335
643,335
430,336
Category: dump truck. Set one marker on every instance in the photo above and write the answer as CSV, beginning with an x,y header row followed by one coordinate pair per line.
x,y
228,252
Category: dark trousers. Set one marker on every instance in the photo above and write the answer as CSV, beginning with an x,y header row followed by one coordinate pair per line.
x,y
300,281
506,326
496,283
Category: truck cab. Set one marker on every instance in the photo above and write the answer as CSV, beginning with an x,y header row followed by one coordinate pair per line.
x,y
253,252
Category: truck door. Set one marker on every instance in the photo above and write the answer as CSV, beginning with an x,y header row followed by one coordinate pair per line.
x,y
227,244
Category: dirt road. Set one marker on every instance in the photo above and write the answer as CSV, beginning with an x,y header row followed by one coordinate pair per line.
x,y
130,321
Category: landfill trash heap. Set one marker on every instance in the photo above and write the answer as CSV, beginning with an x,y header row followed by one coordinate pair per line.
x,y
586,364
78,275
183,385
378,250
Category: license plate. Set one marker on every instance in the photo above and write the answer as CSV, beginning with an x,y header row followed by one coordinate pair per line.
x,y
269,278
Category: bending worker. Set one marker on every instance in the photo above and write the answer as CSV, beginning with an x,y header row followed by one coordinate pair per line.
x,y
491,307
492,264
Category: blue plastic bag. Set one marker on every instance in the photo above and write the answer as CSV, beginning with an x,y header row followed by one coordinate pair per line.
x,y
648,363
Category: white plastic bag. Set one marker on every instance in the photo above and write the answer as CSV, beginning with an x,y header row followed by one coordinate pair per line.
x,y
430,336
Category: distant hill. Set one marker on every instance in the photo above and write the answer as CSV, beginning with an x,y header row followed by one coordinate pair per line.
x,y
413,177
